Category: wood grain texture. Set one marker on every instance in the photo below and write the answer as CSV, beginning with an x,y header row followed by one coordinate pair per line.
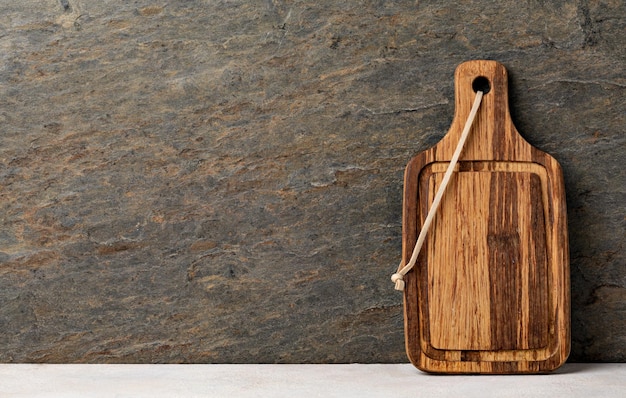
x,y
490,291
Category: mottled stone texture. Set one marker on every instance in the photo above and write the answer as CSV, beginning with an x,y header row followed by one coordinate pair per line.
x,y
220,181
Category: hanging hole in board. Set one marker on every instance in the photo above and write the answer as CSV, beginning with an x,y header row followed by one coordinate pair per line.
x,y
481,83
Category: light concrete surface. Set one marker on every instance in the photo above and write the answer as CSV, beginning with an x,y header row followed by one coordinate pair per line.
x,y
293,381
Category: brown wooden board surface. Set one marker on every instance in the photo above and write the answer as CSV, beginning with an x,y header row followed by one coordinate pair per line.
x,y
490,290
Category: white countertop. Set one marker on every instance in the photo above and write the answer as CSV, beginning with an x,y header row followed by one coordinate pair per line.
x,y
295,381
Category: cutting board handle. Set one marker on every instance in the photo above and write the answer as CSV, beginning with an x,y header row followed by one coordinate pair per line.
x,y
494,136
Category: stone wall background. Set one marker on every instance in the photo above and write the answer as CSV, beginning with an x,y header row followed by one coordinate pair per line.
x,y
220,181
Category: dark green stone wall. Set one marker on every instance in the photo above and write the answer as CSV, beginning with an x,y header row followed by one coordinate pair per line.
x,y
220,181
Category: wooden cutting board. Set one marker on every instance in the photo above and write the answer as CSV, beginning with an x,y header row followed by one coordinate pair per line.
x,y
490,290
